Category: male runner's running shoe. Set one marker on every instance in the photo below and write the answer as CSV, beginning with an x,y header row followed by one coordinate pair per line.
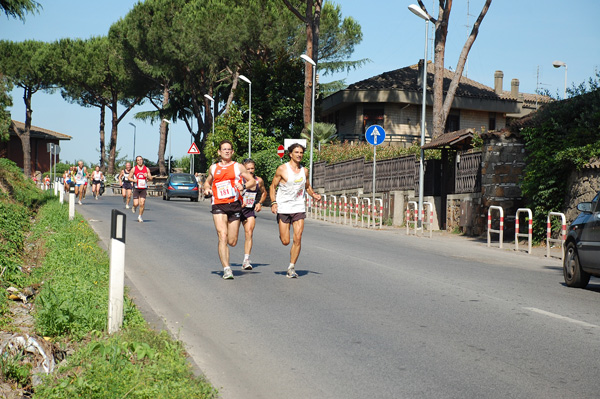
x,y
227,273
291,272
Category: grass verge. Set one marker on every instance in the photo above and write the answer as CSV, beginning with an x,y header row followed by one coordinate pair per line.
x,y
71,309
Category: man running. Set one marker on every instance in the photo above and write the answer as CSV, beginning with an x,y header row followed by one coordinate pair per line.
x,y
97,178
80,180
225,185
139,175
125,184
250,205
291,182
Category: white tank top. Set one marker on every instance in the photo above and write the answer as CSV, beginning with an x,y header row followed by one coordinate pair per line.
x,y
290,195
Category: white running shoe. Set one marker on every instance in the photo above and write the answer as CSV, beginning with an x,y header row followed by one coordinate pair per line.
x,y
127,206
246,265
133,209
140,219
227,274
291,272
79,202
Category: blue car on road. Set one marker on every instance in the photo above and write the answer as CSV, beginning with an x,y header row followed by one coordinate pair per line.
x,y
181,185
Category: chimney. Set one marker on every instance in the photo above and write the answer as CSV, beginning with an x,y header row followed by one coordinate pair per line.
x,y
498,75
514,88
420,73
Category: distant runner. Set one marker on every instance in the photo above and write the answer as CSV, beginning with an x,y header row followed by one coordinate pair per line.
x,y
291,182
139,175
80,180
97,178
225,185
250,205
125,183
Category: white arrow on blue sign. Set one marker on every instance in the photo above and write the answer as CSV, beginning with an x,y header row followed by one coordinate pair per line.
x,y
375,135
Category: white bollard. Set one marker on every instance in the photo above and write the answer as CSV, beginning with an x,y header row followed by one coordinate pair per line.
x,y
71,203
116,285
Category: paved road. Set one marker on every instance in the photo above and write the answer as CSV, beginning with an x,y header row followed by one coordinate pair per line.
x,y
374,313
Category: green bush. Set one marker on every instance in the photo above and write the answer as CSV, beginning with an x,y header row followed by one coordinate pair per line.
x,y
19,198
74,297
560,138
135,363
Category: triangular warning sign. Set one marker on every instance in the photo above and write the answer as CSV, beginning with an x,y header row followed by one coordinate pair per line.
x,y
194,149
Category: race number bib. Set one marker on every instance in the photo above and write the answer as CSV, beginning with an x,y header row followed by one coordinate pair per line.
x,y
224,189
141,183
249,198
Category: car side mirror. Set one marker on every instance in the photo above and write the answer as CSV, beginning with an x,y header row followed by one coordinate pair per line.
x,y
584,207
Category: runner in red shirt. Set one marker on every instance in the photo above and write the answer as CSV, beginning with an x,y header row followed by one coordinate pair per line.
x,y
139,175
225,185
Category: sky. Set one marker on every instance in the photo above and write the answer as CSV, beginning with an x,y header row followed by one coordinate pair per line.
x,y
519,37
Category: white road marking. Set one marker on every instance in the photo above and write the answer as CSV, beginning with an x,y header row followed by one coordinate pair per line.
x,y
564,318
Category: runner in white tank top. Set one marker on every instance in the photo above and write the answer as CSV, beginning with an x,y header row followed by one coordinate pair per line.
x,y
291,183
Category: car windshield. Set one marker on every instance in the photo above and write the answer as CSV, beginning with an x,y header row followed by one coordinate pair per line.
x,y
183,179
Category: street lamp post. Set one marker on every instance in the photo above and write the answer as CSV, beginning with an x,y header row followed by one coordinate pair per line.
x,y
421,14
558,64
212,101
169,123
306,58
245,79
134,131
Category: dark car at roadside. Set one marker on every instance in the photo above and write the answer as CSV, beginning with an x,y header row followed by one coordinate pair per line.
x,y
181,185
582,246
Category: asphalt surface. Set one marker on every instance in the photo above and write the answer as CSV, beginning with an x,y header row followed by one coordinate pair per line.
x,y
373,314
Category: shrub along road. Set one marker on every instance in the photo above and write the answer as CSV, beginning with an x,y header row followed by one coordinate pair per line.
x,y
373,314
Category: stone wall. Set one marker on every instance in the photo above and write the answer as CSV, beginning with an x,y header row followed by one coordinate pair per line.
x,y
584,184
502,170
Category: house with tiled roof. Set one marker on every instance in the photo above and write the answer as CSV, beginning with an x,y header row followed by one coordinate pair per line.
x,y
394,101
39,139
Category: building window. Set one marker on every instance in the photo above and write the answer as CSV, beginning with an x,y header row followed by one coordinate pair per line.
x,y
453,121
372,117
492,122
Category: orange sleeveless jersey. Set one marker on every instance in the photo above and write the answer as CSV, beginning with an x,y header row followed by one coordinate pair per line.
x,y
223,185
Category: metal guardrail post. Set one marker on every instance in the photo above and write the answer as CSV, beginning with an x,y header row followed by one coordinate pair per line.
x,y
430,223
499,231
354,200
529,233
368,201
345,207
380,201
333,204
408,213
549,238
324,206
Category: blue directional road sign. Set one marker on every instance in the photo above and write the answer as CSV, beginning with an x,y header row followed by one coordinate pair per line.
x,y
375,135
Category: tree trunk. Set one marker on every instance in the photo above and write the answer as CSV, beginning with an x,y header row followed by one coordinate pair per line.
x,y
25,136
102,139
312,19
441,105
113,137
162,143
441,34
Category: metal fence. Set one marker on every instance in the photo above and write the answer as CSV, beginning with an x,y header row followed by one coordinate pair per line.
x,y
396,174
391,174
468,173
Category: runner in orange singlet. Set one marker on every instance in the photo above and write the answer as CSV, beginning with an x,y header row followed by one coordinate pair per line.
x,y
225,185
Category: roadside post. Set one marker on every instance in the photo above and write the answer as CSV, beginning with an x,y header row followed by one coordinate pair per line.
x,y
116,285
62,194
375,135
71,203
